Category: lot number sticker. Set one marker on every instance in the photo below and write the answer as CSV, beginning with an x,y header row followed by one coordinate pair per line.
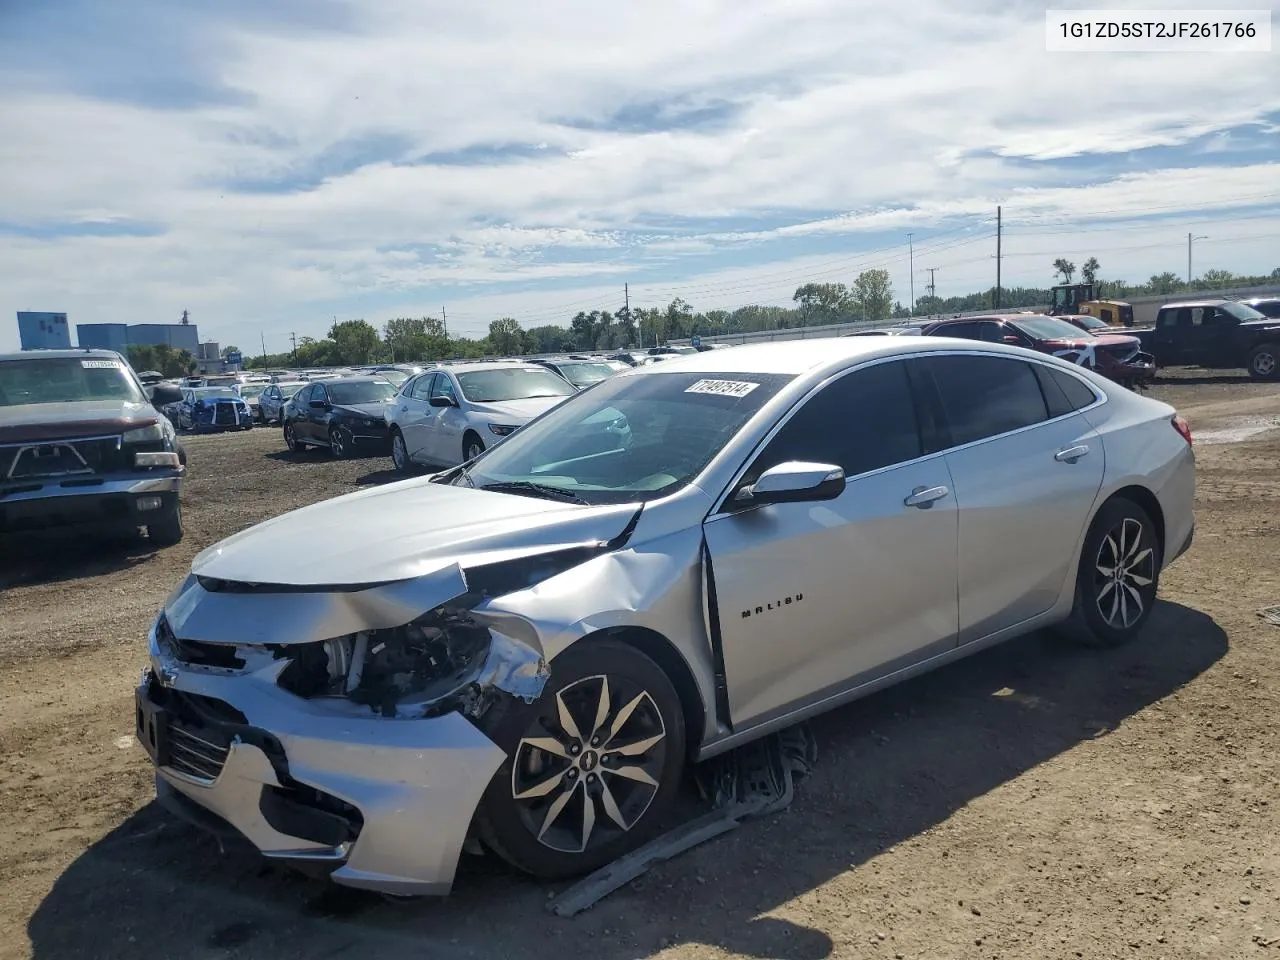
x,y
724,388
100,364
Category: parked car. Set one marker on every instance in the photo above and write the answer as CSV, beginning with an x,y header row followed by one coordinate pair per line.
x,y
82,446
582,373
524,651
456,412
1218,334
346,414
251,392
272,400
1117,356
213,409
1267,306
1094,325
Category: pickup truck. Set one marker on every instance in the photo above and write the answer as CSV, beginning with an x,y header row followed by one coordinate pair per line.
x,y
83,445
1218,334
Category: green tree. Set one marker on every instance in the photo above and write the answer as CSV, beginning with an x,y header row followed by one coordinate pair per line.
x,y
355,341
229,350
874,294
412,339
821,303
1089,272
1217,279
1164,283
162,358
506,336
1064,268
679,320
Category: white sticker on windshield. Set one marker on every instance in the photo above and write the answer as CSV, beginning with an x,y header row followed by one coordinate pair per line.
x,y
100,364
725,388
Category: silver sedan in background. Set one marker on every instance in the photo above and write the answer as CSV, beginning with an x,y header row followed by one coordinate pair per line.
x,y
272,400
529,648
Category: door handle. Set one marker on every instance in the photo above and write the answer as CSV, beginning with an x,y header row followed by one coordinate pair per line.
x,y
923,497
1071,454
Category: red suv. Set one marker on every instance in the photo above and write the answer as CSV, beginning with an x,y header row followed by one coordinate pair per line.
x,y
1117,356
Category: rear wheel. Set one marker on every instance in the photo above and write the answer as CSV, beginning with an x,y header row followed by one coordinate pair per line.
x,y
1264,362
1118,577
592,766
400,452
291,439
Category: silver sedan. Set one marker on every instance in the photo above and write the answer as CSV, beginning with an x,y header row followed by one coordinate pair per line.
x,y
528,649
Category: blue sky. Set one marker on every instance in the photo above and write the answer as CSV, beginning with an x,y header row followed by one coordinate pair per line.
x,y
271,165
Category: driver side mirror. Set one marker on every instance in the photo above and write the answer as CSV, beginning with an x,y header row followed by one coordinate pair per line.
x,y
795,481
162,395
442,402
319,405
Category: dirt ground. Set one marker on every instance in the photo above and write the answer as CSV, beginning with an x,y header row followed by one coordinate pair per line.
x,y
1034,801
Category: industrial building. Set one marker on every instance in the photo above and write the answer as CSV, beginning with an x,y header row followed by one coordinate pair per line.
x,y
43,331
120,336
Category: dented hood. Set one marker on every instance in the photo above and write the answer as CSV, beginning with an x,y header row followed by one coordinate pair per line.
x,y
400,531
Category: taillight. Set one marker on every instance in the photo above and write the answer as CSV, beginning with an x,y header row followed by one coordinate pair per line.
x,y
1182,427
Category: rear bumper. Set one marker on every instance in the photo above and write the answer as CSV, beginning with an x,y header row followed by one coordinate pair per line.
x,y
89,502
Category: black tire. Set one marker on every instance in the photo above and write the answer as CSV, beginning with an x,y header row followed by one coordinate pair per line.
x,y
1103,612
509,826
166,530
472,446
400,452
291,439
182,455
1264,362
339,445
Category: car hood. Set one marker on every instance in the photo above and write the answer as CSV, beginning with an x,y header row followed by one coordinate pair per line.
x,y
37,422
404,530
519,411
1115,339
374,410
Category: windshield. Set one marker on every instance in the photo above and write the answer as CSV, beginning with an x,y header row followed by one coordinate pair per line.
x,y
250,390
287,390
1091,323
370,391
205,393
1050,328
1243,312
64,380
511,383
631,437
582,374
397,377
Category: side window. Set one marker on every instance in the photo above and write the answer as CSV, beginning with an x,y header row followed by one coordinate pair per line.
x,y
1197,316
422,387
318,393
863,421
444,387
1062,392
987,396
989,331
965,331
1108,316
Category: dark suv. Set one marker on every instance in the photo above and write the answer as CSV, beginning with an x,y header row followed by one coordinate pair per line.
x,y
82,444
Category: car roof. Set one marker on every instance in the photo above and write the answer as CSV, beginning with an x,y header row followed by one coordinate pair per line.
x,y
814,356
1196,303
372,378
463,365
49,354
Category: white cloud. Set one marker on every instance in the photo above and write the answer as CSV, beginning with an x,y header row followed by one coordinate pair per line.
x,y
804,122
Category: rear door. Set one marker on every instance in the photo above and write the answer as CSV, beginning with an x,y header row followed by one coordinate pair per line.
x,y
816,597
1025,473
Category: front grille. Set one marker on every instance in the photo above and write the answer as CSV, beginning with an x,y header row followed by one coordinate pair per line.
x,y
224,414
61,458
194,755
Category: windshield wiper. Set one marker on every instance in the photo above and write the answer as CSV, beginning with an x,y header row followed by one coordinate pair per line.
x,y
537,489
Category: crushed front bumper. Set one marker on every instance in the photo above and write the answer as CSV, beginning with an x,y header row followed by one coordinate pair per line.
x,y
387,802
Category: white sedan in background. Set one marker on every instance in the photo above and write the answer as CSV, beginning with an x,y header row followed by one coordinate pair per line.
x,y
454,413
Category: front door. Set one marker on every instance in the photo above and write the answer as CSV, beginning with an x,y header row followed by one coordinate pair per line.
x,y
445,428
413,414
1025,482
814,597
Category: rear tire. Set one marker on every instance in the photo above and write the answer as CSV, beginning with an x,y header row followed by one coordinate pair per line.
x,y
291,440
1118,577
1264,362
167,530
558,760
400,452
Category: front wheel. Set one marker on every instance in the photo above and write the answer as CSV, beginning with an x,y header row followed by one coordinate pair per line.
x,y
339,445
1118,577
592,766
1264,362
167,530
472,447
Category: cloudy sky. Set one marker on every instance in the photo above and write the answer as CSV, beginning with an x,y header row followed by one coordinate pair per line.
x,y
271,164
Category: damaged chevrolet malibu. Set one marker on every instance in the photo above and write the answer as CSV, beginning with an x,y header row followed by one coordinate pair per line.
x,y
523,654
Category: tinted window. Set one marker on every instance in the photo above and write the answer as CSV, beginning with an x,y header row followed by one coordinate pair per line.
x,y
965,331
989,331
421,388
1062,392
986,396
863,421
444,387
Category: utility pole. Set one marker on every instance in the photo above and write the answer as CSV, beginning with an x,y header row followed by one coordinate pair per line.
x,y
1189,239
999,231
263,338
444,322
293,337
932,286
911,270
626,298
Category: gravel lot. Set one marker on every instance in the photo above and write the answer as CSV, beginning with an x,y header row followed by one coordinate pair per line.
x,y
1034,801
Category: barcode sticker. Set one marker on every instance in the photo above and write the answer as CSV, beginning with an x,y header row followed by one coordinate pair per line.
x,y
100,364
725,388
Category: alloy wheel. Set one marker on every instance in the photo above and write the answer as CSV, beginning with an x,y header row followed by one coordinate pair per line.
x,y
1124,569
399,455
1264,364
337,444
589,774
290,440
474,449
